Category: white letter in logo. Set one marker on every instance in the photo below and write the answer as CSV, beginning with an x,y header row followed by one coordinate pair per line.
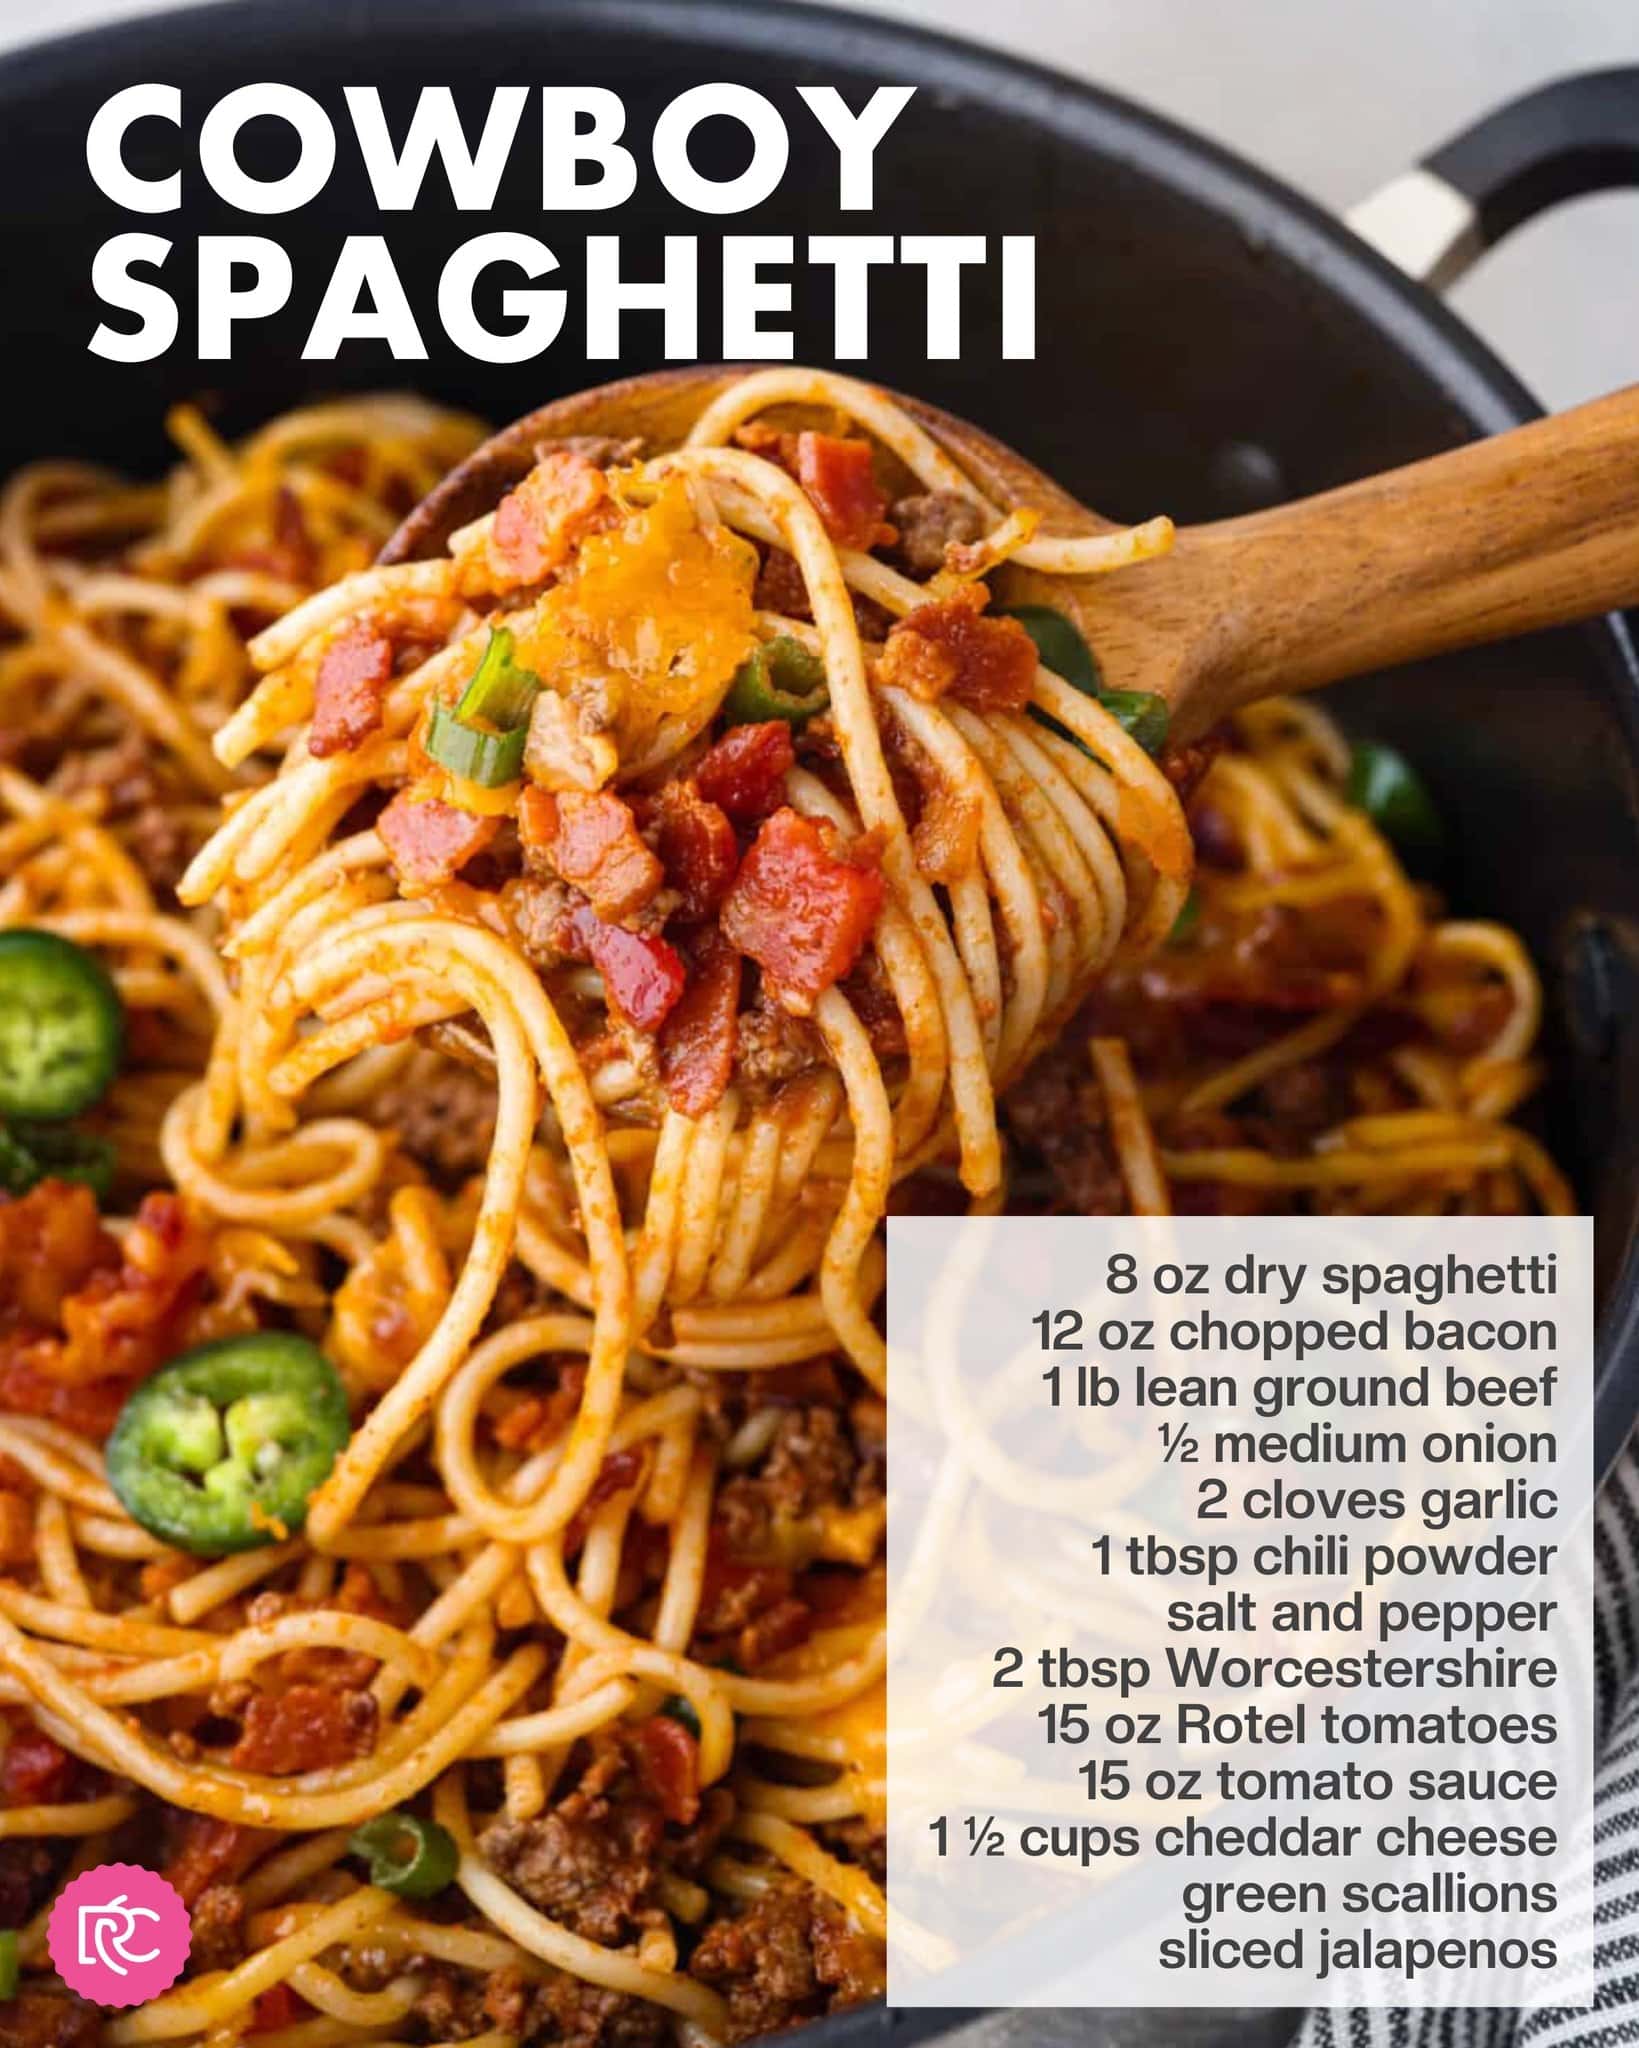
x,y
105,1931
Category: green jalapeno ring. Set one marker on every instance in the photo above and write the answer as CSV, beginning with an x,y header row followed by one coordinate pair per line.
x,y
222,1448
10,1964
32,1152
779,679
62,1027
408,1856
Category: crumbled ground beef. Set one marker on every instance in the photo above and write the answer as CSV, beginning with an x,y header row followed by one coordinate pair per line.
x,y
812,1462
786,1956
772,1046
591,1861
138,804
26,1870
603,450
1056,1113
43,2019
928,523
449,2007
1304,1099
856,1841
218,1929
570,2013
442,1113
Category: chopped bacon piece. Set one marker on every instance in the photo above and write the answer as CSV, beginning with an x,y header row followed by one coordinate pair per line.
x,y
642,973
619,1472
668,1762
745,772
592,843
303,1729
989,664
783,1627
16,1528
799,911
780,586
431,841
82,1317
276,2007
352,681
697,847
122,1324
838,477
206,1852
35,1770
539,525
697,1044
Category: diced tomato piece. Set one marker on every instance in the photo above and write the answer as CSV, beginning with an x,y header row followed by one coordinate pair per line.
x,y
745,772
431,841
347,696
697,846
801,913
304,1728
35,1770
88,1407
51,1242
668,1762
592,844
989,664
697,1045
541,523
204,1852
839,477
276,2007
642,973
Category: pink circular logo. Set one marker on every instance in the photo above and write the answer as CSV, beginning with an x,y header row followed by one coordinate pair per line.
x,y
119,1934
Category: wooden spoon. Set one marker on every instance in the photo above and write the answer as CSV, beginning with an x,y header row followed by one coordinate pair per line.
x,y
1533,528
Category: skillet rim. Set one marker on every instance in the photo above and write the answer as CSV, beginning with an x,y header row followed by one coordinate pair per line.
x,y
1482,393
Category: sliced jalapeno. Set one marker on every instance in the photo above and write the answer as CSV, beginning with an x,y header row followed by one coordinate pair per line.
x,y
61,1026
1394,796
221,1449
10,1971
408,1855
31,1153
1060,645
779,679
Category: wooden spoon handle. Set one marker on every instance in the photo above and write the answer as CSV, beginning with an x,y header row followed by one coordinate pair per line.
x,y
1532,528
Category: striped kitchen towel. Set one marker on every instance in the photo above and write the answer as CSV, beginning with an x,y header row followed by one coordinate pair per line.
x,y
1613,2019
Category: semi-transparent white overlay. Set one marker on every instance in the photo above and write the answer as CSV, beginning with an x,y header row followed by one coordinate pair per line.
x,y
1275,1688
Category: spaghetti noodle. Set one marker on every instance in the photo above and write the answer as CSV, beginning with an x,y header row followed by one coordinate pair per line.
x,y
602,926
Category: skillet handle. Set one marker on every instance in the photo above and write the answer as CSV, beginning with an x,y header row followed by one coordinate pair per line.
x,y
1575,136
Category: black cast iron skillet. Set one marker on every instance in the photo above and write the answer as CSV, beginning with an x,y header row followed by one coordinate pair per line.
x,y
1207,341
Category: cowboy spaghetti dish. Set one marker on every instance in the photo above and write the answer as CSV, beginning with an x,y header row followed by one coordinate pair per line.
x,y
462,1025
